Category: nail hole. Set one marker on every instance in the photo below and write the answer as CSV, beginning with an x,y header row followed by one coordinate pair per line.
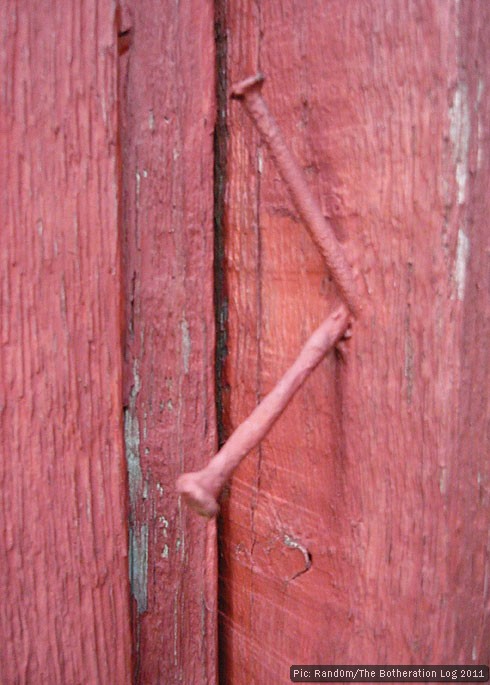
x,y
124,41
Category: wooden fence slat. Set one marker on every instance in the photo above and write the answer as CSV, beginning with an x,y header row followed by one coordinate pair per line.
x,y
64,614
167,114
357,532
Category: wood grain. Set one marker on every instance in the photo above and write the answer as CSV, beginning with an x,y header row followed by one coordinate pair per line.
x,y
357,532
167,118
64,614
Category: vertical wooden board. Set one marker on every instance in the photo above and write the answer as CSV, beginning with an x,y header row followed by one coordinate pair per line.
x,y
272,524
168,116
406,387
370,474
242,363
64,615
467,474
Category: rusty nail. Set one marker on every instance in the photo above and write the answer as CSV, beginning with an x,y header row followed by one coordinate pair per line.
x,y
248,91
201,489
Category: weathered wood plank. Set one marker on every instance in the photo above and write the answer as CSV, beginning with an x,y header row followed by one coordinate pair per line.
x,y
64,614
378,472
168,115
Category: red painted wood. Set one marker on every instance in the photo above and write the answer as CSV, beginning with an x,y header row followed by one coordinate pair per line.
x,y
358,531
168,115
64,614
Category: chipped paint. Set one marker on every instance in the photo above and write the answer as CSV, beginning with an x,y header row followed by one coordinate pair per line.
x,y
459,132
165,524
186,344
132,440
443,480
165,552
132,443
138,185
461,263
138,539
138,566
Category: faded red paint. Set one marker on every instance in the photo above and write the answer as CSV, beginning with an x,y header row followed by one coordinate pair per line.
x,y
386,106
168,115
357,532
249,92
64,610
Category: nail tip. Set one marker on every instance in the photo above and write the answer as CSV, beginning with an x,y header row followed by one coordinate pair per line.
x,y
239,89
197,497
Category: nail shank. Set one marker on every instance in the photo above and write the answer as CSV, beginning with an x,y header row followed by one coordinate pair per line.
x,y
201,488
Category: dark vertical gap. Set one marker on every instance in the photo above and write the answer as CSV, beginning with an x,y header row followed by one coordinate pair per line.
x,y
124,32
220,142
220,294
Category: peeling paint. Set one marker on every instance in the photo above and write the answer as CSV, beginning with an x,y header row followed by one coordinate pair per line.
x,y
151,120
459,132
138,566
138,184
132,442
165,552
461,262
443,480
138,538
186,344
165,525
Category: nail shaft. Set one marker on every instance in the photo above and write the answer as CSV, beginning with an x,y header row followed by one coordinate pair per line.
x,y
202,488
249,92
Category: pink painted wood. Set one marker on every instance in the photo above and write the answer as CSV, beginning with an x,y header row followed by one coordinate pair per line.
x,y
64,613
386,107
167,116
